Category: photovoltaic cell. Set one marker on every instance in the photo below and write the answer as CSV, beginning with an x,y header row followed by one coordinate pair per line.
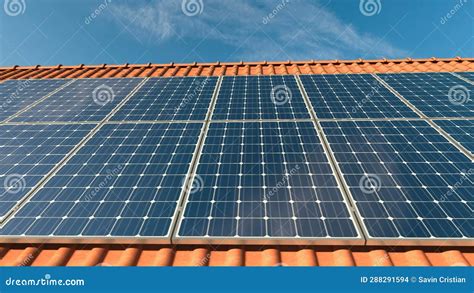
x,y
406,180
439,95
28,153
461,130
16,95
125,181
265,180
84,100
259,97
177,98
353,96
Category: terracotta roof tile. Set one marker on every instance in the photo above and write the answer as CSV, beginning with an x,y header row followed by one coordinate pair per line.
x,y
90,255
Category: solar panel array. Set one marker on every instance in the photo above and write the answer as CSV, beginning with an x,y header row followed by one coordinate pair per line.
x,y
125,181
283,159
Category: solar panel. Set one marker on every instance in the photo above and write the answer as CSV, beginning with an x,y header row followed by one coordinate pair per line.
x,y
83,100
353,96
461,130
267,180
28,153
177,98
261,182
437,95
125,181
259,97
468,75
407,181
16,95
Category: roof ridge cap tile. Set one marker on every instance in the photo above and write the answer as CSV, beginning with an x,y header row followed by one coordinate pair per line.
x,y
337,66
457,58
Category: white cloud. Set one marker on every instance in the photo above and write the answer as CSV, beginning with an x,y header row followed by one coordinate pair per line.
x,y
298,30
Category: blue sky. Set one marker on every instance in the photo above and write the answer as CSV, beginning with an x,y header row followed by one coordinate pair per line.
x,y
50,32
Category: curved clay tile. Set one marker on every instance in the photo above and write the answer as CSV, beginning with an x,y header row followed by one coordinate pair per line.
x,y
416,258
343,257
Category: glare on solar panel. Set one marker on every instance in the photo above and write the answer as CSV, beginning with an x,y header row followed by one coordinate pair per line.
x,y
28,153
126,181
16,95
84,100
407,181
177,98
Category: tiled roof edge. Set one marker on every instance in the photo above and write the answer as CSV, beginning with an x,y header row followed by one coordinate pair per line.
x,y
240,63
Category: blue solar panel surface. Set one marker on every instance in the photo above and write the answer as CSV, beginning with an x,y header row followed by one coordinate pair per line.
x,y
406,179
268,179
259,97
353,96
16,95
28,153
126,181
83,100
439,95
461,130
468,75
178,98
254,180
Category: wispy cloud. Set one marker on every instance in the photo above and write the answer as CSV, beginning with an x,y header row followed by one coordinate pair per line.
x,y
296,30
